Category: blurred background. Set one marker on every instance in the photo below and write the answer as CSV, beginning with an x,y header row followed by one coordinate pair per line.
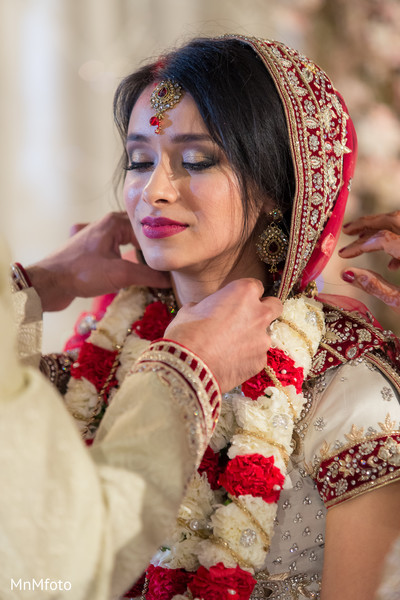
x,y
61,61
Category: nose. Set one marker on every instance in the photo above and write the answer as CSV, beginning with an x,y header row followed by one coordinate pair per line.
x,y
161,187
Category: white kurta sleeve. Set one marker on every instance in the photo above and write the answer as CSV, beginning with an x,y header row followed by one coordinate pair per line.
x,y
83,524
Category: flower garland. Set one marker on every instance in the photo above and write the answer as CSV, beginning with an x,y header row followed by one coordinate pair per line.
x,y
225,523
108,354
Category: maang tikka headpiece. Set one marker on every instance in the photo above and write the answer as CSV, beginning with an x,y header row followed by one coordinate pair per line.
x,y
164,96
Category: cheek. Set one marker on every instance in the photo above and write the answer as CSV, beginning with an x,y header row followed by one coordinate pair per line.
x,y
131,195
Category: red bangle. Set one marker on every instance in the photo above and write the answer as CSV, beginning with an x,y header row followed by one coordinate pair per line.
x,y
19,277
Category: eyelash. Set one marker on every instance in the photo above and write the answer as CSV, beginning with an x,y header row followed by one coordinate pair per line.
x,y
198,166
138,166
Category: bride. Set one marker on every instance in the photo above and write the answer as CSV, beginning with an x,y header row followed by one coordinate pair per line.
x,y
238,159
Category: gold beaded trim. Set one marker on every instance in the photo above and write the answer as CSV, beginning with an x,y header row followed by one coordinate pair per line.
x,y
300,333
260,436
319,317
254,522
271,374
197,532
100,396
236,557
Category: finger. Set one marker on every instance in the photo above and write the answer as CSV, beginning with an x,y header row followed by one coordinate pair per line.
x,y
251,285
394,264
131,256
118,225
274,305
387,241
374,284
390,221
76,228
354,248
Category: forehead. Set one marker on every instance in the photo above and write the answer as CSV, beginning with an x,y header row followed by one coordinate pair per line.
x,y
183,117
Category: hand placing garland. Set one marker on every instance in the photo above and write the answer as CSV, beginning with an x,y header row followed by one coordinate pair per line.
x,y
228,530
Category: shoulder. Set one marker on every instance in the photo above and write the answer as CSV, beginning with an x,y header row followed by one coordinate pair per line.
x,y
354,334
353,438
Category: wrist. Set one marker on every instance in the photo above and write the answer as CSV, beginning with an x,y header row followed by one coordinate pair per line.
x,y
200,398
186,348
48,287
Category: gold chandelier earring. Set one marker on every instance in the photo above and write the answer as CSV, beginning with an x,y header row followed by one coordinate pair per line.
x,y
272,243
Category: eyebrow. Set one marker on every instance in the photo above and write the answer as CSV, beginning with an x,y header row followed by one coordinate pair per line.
x,y
177,139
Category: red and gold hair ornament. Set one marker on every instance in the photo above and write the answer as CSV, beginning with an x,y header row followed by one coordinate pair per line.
x,y
166,94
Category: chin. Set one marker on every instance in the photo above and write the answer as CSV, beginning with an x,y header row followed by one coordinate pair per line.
x,y
161,263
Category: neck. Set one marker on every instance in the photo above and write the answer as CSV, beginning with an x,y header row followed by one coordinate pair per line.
x,y
196,284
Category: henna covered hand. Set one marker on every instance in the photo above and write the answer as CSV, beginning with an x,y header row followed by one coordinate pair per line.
x,y
374,284
375,232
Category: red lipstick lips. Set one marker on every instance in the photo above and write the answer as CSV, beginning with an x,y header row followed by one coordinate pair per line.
x,y
161,227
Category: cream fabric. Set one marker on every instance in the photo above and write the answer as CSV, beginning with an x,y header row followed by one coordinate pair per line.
x,y
353,394
356,403
85,519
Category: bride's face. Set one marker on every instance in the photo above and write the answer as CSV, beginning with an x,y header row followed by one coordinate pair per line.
x,y
182,197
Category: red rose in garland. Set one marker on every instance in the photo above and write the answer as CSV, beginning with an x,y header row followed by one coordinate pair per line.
x,y
221,583
166,583
286,372
154,322
253,474
95,364
210,465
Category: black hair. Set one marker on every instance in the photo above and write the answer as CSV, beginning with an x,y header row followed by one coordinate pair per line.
x,y
240,106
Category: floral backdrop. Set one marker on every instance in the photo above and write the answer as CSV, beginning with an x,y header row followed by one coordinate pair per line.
x,y
61,61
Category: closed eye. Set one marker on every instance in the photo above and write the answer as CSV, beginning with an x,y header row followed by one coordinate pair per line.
x,y
201,165
138,166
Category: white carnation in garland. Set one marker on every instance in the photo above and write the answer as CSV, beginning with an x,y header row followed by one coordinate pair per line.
x,y
226,424
193,519
126,308
162,557
199,499
232,524
263,512
184,553
80,400
260,416
210,554
305,315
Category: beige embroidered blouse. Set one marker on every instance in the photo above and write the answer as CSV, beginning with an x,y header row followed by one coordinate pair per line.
x,y
348,443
